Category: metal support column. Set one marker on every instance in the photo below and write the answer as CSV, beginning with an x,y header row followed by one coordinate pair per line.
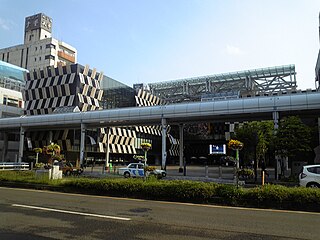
x,y
5,146
319,128
164,147
181,146
21,144
50,137
275,116
82,141
106,166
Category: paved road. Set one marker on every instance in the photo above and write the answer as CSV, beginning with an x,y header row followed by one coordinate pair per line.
x,y
31,214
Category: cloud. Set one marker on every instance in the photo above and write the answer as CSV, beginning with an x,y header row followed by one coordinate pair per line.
x,y
4,24
234,51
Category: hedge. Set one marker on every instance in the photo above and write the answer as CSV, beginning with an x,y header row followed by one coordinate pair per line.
x,y
268,196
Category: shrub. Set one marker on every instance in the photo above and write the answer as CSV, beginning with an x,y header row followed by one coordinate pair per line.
x,y
268,196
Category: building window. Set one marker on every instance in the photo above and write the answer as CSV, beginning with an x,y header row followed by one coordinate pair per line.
x,y
49,57
36,48
35,59
40,47
39,58
50,45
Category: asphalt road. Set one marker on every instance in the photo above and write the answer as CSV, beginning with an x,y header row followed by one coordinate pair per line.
x,y
32,214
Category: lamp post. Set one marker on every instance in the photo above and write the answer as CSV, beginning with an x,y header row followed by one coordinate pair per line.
x,y
145,147
236,145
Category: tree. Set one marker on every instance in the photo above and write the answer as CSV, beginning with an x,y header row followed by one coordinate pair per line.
x,y
258,137
292,137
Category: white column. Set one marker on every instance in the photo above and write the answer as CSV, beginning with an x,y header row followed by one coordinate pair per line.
x,y
5,146
181,146
82,141
107,148
21,144
164,137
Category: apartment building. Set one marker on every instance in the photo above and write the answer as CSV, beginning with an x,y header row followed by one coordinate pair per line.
x,y
39,49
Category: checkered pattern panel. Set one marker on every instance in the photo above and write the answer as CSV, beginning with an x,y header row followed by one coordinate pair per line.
x,y
121,140
51,88
174,146
144,98
39,139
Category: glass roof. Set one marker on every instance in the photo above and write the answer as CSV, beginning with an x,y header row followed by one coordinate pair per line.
x,y
12,72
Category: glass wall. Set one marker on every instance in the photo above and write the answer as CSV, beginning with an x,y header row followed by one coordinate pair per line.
x,y
12,77
116,94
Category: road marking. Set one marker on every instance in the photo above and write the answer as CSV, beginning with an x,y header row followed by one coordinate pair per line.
x,y
71,212
170,203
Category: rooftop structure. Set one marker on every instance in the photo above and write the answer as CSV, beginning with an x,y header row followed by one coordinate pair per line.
x,y
39,49
234,84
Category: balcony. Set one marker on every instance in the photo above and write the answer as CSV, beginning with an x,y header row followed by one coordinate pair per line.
x,y
66,56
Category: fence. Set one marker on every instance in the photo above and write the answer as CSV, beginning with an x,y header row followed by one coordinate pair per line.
x,y
9,166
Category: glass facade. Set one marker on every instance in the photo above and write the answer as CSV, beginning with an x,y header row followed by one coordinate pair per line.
x,y
12,77
116,94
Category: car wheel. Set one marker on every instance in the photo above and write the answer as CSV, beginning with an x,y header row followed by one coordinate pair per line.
x,y
313,185
126,174
163,174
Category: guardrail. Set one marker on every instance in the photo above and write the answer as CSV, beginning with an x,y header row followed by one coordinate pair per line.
x,y
10,166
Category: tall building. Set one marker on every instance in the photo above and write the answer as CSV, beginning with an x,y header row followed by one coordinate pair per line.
x,y
39,49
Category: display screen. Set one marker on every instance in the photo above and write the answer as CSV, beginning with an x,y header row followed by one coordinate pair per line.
x,y
217,149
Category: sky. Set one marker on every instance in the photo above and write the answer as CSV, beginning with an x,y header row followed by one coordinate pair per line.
x,y
146,41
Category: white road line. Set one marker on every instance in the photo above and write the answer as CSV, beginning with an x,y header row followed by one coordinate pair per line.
x,y
167,202
71,212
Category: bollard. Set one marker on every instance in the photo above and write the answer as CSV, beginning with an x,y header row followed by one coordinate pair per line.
x,y
220,172
262,178
207,171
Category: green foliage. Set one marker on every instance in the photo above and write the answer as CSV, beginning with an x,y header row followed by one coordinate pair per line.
x,y
18,176
268,196
292,137
37,150
149,168
257,137
39,165
246,173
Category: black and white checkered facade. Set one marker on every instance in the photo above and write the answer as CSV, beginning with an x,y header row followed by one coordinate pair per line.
x,y
144,99
71,85
61,89
121,140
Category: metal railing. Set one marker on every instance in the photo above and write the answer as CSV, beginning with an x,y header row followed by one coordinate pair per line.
x,y
10,166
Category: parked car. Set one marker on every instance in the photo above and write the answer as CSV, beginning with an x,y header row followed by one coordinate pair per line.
x,y
227,161
137,170
68,169
310,176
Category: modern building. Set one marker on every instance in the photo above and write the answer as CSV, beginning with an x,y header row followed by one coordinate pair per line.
x,y
12,82
272,80
39,49
78,88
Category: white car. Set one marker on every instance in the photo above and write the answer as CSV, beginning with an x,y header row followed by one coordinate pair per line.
x,y
137,170
310,176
